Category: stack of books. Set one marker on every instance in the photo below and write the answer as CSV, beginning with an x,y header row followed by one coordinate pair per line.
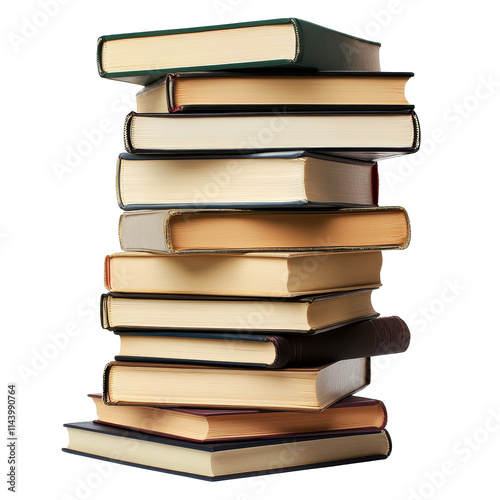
x,y
252,241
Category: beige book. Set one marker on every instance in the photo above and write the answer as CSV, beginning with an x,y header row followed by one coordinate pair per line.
x,y
252,274
184,92
285,179
377,134
305,315
303,389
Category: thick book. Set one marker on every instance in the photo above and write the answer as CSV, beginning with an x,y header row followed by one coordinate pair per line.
x,y
217,461
374,337
239,231
254,274
351,414
362,134
284,179
301,389
219,91
274,43
304,315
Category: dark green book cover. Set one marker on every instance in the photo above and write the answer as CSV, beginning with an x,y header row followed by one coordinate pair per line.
x,y
316,48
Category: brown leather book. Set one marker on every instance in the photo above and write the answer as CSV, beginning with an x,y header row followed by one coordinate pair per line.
x,y
372,337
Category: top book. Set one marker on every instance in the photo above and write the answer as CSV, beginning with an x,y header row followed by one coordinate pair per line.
x,y
277,43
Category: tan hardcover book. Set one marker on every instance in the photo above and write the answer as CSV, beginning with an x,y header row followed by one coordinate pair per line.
x,y
303,315
221,91
253,274
302,389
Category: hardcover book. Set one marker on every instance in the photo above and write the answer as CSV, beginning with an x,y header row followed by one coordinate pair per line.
x,y
275,43
252,274
262,180
374,337
362,134
218,91
240,231
303,315
300,389
351,414
218,461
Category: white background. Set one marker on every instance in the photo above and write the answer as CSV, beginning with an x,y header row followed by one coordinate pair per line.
x,y
442,395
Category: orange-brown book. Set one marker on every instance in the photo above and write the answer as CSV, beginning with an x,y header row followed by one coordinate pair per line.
x,y
236,231
209,91
352,414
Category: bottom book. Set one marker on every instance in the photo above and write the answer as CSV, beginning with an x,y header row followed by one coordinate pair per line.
x,y
229,460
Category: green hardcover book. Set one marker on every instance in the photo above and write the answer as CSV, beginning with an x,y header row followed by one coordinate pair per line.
x,y
277,43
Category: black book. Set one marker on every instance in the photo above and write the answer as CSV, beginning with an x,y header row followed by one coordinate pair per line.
x,y
228,460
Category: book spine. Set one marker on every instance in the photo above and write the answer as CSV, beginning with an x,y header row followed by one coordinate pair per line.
x,y
127,132
381,405
170,93
131,229
100,69
118,185
375,337
120,225
416,133
285,351
389,442
392,335
104,312
325,49
105,385
107,272
406,242
168,229
375,184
